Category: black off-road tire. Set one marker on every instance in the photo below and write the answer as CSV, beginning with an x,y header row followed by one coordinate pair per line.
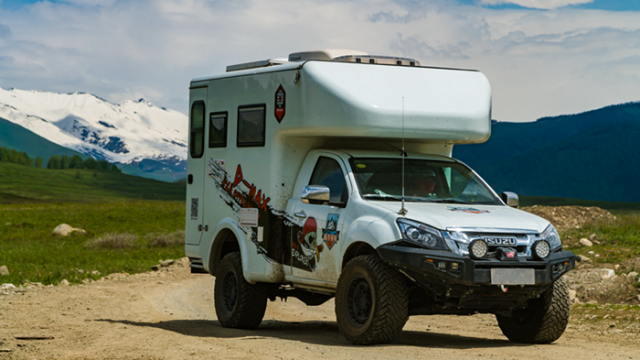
x,y
372,302
543,321
238,304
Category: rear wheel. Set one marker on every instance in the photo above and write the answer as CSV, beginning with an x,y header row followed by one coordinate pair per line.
x,y
238,304
543,321
371,301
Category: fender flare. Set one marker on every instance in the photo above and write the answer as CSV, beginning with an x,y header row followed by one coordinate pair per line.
x,y
372,234
217,240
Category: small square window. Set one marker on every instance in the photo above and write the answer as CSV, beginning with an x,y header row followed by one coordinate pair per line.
x,y
251,125
218,130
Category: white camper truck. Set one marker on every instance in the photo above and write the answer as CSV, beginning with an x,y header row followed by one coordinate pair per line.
x,y
330,175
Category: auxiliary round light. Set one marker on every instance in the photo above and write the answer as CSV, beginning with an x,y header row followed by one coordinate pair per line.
x,y
540,249
478,249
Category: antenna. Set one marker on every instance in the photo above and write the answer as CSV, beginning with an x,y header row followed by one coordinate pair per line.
x,y
403,211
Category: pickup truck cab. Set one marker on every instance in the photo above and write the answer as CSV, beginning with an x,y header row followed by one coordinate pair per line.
x,y
340,192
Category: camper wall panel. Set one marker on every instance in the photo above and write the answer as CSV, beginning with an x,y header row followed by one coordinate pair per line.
x,y
251,125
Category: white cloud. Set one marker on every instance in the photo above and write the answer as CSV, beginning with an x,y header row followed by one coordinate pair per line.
x,y
539,62
537,4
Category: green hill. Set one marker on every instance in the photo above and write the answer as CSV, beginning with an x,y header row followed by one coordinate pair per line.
x,y
592,155
24,184
16,137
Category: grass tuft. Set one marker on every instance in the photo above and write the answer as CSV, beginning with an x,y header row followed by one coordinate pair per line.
x,y
166,240
114,241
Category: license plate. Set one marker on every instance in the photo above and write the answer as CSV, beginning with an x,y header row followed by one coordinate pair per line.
x,y
513,276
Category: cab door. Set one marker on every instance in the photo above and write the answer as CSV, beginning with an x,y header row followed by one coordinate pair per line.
x,y
315,254
196,167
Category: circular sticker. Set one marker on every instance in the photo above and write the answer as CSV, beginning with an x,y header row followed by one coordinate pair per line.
x,y
361,166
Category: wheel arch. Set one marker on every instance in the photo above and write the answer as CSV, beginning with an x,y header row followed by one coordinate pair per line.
x,y
227,239
356,249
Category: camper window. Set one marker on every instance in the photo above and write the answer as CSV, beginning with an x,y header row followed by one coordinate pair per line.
x,y
218,129
251,125
197,129
329,174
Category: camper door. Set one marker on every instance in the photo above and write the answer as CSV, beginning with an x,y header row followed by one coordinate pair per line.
x,y
196,166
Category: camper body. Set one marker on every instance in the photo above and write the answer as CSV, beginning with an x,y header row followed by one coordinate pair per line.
x,y
320,178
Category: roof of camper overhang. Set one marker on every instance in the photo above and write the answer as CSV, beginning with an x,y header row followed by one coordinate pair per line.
x,y
370,101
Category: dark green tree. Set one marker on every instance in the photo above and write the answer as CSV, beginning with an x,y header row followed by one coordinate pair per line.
x,y
64,162
54,162
91,164
38,162
76,162
104,165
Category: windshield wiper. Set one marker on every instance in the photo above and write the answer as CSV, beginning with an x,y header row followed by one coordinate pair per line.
x,y
381,197
447,201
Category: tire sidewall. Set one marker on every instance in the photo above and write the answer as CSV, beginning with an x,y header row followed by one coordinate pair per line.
x,y
225,267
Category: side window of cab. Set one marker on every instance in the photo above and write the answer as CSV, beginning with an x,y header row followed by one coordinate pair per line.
x,y
328,173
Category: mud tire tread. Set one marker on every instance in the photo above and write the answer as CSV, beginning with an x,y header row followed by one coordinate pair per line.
x,y
550,319
391,302
251,302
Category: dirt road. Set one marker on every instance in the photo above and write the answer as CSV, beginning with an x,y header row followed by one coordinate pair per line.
x,y
170,315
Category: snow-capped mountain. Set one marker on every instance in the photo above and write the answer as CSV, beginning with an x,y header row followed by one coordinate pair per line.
x,y
132,133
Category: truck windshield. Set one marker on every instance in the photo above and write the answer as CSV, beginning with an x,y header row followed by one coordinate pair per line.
x,y
424,181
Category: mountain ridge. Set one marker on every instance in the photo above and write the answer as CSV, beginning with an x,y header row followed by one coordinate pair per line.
x,y
130,133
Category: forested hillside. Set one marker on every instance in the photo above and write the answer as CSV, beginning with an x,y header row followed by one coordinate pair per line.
x,y
592,155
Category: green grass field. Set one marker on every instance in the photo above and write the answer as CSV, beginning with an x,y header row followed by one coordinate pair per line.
x,y
23,184
34,201
33,253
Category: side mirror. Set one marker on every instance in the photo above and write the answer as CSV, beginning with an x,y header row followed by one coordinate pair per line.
x,y
315,194
510,198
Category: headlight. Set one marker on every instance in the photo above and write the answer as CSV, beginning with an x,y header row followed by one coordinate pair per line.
x,y
551,236
421,234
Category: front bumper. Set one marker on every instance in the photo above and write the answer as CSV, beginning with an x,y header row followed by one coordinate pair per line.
x,y
463,270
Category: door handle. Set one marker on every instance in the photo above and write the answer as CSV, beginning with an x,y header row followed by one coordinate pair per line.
x,y
199,227
206,228
300,214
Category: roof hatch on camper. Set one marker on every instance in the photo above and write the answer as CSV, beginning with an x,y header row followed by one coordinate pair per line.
x,y
339,55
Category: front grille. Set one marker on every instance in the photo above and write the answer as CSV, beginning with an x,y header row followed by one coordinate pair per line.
x,y
523,241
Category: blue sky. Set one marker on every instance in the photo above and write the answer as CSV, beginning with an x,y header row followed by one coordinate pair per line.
x,y
542,57
612,5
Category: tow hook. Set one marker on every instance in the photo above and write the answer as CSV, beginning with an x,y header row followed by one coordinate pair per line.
x,y
504,289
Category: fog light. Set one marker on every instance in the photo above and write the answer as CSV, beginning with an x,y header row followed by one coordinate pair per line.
x,y
540,249
478,249
442,265
454,266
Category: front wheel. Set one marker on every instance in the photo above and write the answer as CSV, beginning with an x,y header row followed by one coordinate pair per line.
x,y
371,301
543,321
238,303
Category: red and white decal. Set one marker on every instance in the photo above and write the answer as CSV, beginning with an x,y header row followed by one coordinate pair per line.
x,y
281,99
